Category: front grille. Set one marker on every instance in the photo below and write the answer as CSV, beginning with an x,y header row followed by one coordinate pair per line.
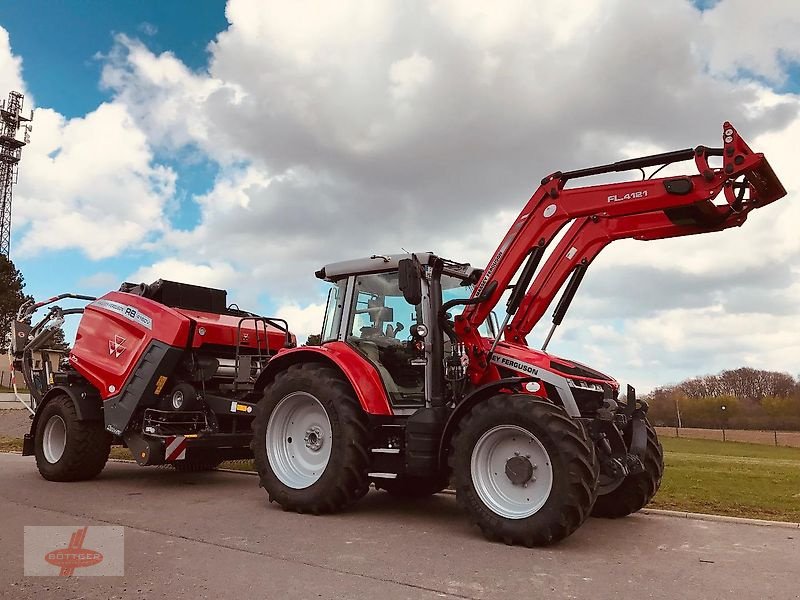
x,y
588,401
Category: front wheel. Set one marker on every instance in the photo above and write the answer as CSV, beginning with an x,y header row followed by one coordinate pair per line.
x,y
310,440
67,449
524,470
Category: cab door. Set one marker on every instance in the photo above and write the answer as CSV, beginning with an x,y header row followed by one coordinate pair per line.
x,y
380,329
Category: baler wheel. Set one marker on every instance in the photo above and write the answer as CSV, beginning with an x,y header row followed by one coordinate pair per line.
x,y
636,491
524,471
67,449
310,440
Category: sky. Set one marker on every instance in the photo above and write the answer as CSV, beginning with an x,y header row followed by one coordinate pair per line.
x,y
244,144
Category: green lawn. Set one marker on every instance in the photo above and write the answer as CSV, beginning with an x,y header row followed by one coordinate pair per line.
x,y
723,478
731,478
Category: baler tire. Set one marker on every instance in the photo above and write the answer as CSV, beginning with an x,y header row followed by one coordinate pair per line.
x,y
636,491
86,447
573,464
412,488
343,480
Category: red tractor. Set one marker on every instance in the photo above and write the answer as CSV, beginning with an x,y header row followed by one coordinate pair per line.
x,y
166,369
409,395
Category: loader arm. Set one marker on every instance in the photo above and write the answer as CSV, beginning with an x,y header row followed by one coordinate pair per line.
x,y
685,201
585,239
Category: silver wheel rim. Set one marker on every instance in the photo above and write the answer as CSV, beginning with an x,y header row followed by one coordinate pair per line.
x,y
497,491
298,440
54,439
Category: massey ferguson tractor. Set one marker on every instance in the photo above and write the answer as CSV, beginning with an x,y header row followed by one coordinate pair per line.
x,y
166,369
415,386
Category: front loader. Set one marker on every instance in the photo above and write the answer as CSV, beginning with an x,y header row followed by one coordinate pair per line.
x,y
168,370
410,395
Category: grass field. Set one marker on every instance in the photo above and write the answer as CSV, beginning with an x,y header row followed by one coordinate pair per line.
x,y
732,478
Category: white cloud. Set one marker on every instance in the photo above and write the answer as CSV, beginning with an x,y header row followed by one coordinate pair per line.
x,y
10,67
362,127
408,75
215,274
758,37
303,320
89,183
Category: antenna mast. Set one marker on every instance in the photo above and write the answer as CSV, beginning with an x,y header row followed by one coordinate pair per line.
x,y
10,152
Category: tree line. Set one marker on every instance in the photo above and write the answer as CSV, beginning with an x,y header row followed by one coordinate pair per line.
x,y
743,398
12,295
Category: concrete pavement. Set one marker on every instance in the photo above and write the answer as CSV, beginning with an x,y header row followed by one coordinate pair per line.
x,y
10,402
214,535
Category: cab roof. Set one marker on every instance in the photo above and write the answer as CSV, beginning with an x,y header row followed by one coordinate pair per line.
x,y
380,263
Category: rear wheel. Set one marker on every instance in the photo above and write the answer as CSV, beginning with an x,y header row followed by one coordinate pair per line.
x,y
409,487
635,491
310,440
67,449
524,470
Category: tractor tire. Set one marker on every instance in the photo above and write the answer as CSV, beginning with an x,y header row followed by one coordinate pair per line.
x,y
412,488
525,472
635,491
67,449
310,440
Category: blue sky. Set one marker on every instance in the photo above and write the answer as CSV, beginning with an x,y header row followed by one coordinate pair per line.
x,y
245,144
62,45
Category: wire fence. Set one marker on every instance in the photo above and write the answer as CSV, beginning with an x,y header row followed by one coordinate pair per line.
x,y
752,436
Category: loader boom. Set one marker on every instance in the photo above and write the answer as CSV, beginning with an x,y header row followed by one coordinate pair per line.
x,y
647,209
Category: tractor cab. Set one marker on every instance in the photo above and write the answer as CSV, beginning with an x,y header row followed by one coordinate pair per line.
x,y
372,309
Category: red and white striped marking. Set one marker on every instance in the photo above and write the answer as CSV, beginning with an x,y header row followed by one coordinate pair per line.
x,y
175,448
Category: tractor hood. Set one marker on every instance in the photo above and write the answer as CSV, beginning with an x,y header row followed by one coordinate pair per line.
x,y
526,360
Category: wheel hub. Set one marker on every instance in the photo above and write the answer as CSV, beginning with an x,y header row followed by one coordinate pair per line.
x,y
519,470
298,416
314,438
511,471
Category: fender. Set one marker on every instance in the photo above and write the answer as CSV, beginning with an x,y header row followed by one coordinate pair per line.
x,y
480,394
363,377
88,407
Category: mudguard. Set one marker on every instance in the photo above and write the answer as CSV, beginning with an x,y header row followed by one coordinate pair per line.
x,y
88,407
480,394
363,377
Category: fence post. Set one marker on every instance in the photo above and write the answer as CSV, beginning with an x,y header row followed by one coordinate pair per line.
x,y
775,431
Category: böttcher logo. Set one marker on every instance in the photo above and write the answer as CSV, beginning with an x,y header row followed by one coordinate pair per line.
x,y
69,551
74,556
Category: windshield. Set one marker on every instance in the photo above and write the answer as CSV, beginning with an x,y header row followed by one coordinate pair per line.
x,y
455,288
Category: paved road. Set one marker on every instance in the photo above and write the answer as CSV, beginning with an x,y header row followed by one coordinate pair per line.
x,y
10,402
214,536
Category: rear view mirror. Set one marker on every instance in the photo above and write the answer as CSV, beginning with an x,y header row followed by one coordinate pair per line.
x,y
410,281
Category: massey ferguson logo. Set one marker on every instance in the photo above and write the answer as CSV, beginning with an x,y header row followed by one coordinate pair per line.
x,y
116,346
505,361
